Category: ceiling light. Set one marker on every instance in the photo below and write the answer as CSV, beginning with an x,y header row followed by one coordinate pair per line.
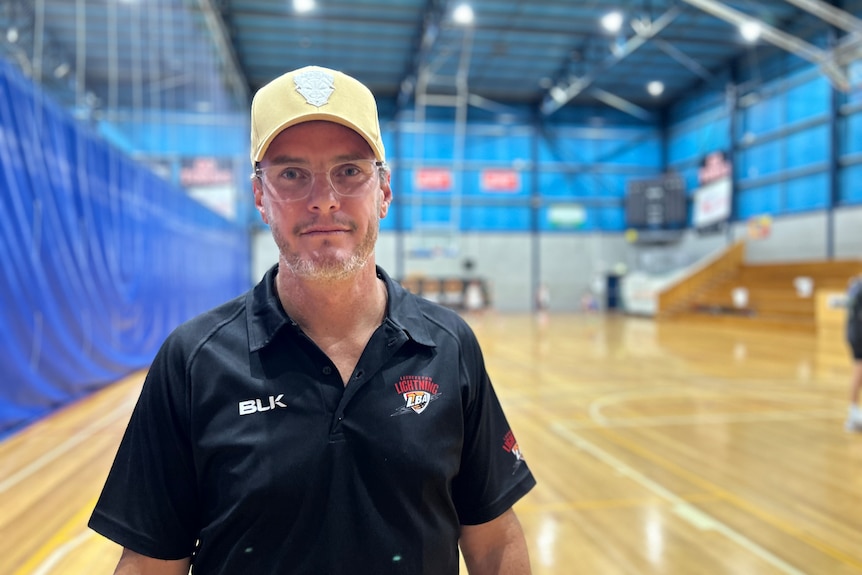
x,y
612,21
558,94
463,14
12,35
61,70
303,6
750,30
655,88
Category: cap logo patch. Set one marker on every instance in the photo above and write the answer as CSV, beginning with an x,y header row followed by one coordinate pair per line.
x,y
316,86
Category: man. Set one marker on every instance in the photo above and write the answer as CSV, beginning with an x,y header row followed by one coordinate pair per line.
x,y
854,340
327,421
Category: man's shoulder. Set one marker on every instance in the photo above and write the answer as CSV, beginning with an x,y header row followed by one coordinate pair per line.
x,y
192,332
442,319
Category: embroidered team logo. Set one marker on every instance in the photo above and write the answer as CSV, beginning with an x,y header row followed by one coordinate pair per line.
x,y
510,445
316,86
418,392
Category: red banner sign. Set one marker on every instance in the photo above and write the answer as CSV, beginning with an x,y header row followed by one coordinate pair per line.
x,y
434,179
205,172
501,181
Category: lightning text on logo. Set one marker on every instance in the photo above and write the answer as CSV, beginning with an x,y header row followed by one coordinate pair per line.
x,y
256,405
416,383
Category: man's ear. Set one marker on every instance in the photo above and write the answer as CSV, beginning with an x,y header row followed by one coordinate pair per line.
x,y
387,195
257,187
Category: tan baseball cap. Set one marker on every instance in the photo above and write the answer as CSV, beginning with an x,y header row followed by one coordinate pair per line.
x,y
313,93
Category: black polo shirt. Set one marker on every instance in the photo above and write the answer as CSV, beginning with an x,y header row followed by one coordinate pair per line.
x,y
246,450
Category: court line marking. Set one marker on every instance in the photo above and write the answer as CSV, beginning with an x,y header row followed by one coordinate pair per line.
x,y
600,421
59,544
116,413
681,507
599,404
741,503
60,553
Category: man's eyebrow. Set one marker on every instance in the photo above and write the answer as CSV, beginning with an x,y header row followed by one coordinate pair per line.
x,y
291,160
287,160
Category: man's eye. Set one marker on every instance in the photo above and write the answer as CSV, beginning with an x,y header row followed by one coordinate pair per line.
x,y
291,174
348,171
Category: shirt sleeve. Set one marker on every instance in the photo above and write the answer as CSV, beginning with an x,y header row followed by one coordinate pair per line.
x,y
149,503
494,474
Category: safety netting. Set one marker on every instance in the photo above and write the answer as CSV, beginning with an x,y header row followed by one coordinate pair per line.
x,y
100,257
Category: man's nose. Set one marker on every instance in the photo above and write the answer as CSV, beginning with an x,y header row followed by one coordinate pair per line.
x,y
322,195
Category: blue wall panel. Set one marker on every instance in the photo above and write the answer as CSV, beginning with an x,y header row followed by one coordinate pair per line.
x,y
641,154
590,165
555,184
851,191
584,184
763,117
430,213
698,136
503,146
758,201
761,160
808,100
502,218
179,134
854,71
852,134
436,144
807,147
807,193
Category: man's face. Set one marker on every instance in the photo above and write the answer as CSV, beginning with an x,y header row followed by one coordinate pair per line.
x,y
324,235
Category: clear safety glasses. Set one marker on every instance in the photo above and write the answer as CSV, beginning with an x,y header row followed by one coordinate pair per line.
x,y
293,183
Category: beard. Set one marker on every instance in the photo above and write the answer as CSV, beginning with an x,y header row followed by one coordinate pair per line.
x,y
328,264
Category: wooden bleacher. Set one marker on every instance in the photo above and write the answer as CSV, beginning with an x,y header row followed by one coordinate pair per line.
x,y
774,299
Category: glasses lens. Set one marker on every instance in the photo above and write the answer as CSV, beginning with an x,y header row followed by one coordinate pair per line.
x,y
293,183
351,178
288,183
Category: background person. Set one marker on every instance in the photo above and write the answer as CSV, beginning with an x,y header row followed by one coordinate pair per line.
x,y
854,340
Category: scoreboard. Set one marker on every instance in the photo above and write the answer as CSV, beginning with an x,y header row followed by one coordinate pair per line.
x,y
656,204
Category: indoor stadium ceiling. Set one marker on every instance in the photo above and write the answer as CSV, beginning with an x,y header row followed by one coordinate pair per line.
x,y
544,53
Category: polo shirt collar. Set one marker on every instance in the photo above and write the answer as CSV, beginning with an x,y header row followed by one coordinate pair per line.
x,y
404,311
266,316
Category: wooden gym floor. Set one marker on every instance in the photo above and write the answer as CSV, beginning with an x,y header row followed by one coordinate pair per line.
x,y
660,448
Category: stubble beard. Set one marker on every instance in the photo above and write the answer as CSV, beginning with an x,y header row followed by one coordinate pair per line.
x,y
330,266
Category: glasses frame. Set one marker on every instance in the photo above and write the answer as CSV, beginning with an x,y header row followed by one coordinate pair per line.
x,y
259,173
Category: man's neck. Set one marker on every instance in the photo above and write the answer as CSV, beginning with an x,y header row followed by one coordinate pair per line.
x,y
333,308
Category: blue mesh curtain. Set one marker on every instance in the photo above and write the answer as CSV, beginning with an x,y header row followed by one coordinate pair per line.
x,y
99,258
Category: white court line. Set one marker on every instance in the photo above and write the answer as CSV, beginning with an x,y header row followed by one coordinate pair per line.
x,y
60,552
599,404
117,412
706,419
684,509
